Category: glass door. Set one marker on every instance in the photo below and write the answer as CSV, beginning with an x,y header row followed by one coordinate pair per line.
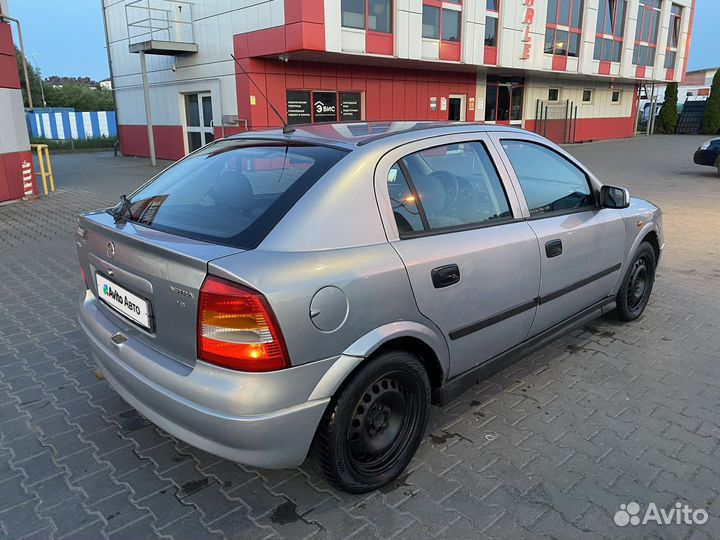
x,y
503,104
198,120
503,99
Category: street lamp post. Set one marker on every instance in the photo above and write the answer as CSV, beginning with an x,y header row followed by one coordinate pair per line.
x,y
42,90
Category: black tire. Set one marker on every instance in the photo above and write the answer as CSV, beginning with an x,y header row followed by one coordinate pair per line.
x,y
634,293
374,423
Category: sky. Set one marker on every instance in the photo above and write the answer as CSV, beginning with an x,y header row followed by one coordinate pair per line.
x,y
68,39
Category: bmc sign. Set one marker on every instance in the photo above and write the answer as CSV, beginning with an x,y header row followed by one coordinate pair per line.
x,y
527,23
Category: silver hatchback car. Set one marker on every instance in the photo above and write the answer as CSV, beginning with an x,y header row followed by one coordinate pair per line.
x,y
321,286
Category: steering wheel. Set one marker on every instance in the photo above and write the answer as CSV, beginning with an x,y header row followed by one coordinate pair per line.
x,y
450,185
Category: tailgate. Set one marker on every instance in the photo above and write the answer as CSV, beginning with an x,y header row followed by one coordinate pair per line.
x,y
151,271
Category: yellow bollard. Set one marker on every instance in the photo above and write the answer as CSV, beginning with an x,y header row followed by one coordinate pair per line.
x,y
43,154
49,169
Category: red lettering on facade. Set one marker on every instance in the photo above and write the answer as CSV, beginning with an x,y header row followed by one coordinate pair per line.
x,y
529,16
526,52
527,21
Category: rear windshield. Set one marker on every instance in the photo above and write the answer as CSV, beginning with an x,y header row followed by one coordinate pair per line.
x,y
232,192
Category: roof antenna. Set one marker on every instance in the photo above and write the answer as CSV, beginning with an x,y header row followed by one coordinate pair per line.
x,y
287,128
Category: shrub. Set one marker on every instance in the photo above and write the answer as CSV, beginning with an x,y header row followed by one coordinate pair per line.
x,y
668,118
76,144
711,119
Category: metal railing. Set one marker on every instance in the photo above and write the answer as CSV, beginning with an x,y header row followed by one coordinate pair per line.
x,y
556,120
162,20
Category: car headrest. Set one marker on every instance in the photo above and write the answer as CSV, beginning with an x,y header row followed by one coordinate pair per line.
x,y
232,188
431,192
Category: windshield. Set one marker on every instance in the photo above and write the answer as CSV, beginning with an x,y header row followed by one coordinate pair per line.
x,y
232,192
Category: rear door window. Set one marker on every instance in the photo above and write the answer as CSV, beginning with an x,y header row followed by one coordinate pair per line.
x,y
454,185
232,192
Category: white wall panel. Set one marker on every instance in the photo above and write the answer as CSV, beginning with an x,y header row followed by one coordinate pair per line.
x,y
333,35
415,37
14,133
215,22
353,40
430,49
601,105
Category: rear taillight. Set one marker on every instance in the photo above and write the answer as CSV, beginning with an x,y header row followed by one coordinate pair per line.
x,y
82,271
236,328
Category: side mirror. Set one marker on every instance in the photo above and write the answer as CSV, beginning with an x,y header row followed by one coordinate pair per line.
x,y
614,197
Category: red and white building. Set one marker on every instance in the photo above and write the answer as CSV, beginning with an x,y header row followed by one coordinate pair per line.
x,y
16,169
530,63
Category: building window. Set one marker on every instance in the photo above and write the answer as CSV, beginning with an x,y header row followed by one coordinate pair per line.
x,y
673,36
431,22
372,15
587,96
491,27
553,94
491,23
450,24
440,23
646,32
610,30
353,13
615,96
563,29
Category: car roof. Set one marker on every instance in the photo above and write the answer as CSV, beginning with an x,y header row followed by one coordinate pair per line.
x,y
351,135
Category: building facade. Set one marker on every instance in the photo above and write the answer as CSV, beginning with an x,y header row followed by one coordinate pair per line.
x,y
569,69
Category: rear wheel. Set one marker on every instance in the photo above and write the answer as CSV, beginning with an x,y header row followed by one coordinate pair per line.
x,y
374,423
634,293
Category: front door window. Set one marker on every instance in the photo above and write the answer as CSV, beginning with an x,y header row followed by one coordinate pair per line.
x,y
198,120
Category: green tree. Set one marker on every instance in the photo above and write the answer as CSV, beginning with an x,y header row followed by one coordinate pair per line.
x,y
668,118
35,81
79,97
711,119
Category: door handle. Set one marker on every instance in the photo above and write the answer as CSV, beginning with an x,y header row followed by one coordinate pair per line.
x,y
553,248
443,276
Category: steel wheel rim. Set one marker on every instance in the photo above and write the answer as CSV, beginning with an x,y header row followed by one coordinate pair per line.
x,y
638,284
382,424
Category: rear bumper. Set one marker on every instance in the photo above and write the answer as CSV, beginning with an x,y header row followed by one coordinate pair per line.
x,y
259,419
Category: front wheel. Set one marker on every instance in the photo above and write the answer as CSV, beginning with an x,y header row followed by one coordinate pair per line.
x,y
375,422
634,293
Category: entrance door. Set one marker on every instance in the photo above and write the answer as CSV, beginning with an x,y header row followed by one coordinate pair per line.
x,y
503,99
198,120
456,107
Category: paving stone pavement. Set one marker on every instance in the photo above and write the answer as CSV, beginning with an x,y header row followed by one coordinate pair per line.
x,y
548,448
